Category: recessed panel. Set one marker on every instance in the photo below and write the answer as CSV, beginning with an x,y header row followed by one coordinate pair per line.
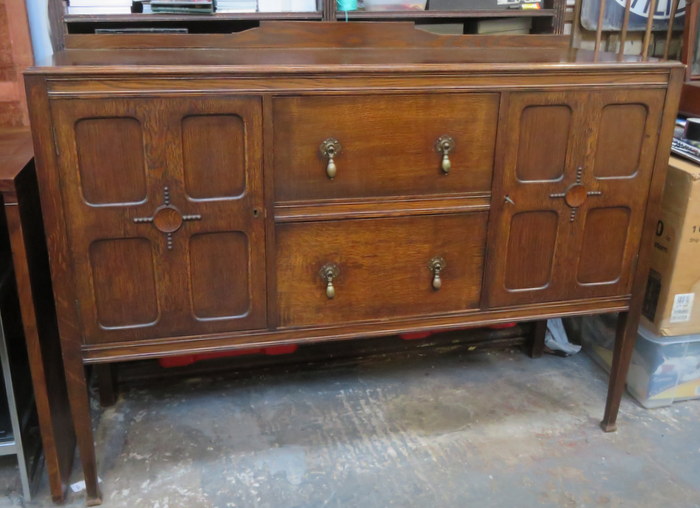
x,y
124,282
219,268
620,140
544,141
111,160
531,250
214,155
603,249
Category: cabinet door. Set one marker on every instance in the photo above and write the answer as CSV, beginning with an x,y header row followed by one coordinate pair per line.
x,y
570,194
163,201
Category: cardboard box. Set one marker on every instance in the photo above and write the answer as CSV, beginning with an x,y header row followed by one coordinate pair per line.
x,y
663,370
672,300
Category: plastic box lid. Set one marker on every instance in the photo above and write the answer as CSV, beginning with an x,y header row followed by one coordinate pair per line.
x,y
662,340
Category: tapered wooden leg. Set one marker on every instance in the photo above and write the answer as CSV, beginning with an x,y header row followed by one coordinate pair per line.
x,y
107,383
539,329
43,348
625,337
80,408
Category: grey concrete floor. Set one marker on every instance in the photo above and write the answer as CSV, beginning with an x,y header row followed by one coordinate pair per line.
x,y
486,429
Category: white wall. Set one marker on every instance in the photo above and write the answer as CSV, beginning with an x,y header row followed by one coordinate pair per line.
x,y
38,13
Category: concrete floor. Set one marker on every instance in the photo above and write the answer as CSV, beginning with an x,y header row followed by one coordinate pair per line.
x,y
485,429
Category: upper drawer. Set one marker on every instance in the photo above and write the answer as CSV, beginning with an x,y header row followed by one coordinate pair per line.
x,y
387,144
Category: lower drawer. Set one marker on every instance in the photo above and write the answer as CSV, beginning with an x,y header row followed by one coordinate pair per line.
x,y
380,268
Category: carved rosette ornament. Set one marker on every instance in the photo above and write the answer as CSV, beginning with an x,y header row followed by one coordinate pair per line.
x,y
167,218
575,195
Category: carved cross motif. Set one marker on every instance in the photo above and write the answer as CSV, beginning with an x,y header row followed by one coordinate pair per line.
x,y
575,195
167,219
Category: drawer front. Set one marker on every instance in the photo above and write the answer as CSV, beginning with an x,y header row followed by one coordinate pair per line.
x,y
384,268
387,145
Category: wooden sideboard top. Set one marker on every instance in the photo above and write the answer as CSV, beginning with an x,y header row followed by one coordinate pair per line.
x,y
323,47
16,151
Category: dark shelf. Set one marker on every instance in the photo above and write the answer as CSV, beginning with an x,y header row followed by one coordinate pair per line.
x,y
417,15
197,18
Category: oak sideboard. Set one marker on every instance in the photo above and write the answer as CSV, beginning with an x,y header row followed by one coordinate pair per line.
x,y
322,181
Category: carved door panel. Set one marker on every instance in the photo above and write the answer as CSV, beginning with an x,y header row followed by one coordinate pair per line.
x,y
538,156
163,201
568,204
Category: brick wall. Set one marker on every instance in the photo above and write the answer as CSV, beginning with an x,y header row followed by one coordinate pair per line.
x,y
15,56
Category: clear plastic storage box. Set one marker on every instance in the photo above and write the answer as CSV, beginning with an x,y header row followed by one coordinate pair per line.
x,y
663,369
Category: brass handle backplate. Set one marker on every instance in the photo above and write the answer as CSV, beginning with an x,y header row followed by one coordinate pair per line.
x,y
444,145
330,149
329,272
437,265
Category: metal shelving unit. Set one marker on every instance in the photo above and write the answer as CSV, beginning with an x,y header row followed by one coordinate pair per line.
x,y
18,426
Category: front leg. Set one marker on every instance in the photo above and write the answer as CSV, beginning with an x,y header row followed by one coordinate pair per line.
x,y
82,422
625,338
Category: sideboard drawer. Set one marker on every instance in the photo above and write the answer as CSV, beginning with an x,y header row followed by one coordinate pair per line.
x,y
383,268
388,145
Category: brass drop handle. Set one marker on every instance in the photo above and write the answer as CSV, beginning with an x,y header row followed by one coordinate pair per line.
x,y
444,145
330,149
437,265
328,273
